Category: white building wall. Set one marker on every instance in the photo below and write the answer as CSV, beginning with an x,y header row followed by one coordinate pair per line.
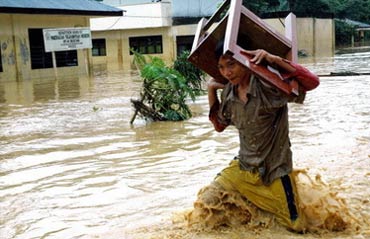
x,y
139,16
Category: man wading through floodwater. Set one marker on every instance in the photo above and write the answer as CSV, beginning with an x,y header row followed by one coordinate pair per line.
x,y
261,172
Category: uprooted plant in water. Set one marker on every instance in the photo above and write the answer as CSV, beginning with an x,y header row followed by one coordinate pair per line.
x,y
165,90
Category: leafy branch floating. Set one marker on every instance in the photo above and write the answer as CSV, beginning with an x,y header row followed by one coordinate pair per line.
x,y
165,90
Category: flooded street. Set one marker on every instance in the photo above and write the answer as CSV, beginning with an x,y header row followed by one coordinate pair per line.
x,y
72,166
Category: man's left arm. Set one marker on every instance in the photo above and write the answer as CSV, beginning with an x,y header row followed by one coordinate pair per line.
x,y
288,70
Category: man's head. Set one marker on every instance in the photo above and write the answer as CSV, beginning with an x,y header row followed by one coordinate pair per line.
x,y
229,68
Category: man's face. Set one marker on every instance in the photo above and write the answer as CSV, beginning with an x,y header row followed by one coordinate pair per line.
x,y
231,69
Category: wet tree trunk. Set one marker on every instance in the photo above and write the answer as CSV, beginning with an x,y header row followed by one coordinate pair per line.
x,y
145,111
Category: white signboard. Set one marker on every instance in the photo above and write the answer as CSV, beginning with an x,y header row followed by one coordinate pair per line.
x,y
63,39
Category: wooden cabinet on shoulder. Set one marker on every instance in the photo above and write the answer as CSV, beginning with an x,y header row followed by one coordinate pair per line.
x,y
240,29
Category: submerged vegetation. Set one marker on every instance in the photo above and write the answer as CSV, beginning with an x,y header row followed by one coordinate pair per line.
x,y
165,89
194,76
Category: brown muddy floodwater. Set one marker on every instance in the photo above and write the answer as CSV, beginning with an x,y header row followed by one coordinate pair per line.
x,y
71,165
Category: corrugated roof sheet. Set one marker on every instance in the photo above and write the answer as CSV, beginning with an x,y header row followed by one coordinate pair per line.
x,y
356,24
73,7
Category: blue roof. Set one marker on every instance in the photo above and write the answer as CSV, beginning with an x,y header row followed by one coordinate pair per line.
x,y
67,7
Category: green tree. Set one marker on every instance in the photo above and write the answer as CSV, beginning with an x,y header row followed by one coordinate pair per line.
x,y
259,7
309,6
358,10
304,6
343,33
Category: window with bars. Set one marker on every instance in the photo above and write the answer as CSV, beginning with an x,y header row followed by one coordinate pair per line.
x,y
184,43
99,47
66,58
41,59
146,44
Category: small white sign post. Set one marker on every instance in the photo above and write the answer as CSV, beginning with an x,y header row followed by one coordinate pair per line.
x,y
65,39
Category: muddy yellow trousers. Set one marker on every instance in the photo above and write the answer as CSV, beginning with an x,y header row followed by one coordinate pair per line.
x,y
279,198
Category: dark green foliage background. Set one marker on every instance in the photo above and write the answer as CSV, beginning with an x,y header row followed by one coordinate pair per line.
x,y
358,10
